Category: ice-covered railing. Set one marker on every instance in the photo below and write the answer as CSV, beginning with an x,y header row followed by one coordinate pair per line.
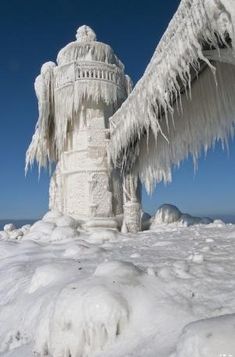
x,y
88,70
170,114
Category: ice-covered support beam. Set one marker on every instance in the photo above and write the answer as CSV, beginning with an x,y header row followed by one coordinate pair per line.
x,y
166,117
131,205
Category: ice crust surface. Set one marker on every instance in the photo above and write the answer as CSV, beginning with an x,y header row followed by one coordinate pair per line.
x,y
167,292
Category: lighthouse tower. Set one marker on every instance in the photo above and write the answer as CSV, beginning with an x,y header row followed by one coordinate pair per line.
x,y
76,97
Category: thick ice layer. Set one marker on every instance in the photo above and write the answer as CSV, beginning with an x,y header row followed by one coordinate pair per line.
x,y
120,295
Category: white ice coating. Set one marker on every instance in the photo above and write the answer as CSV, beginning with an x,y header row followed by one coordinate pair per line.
x,y
170,114
87,71
68,293
75,100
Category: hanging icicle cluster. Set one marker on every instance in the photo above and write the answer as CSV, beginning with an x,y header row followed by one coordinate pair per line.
x,y
176,108
42,147
88,72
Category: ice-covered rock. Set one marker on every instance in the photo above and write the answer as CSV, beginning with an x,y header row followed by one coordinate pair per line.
x,y
16,234
208,338
9,227
166,214
84,319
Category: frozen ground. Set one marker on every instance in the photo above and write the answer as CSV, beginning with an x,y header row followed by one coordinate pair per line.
x,y
113,295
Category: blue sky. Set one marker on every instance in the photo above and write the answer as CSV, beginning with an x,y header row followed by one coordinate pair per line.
x,y
32,32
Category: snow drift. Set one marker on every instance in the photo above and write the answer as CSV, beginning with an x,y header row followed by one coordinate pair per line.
x,y
117,295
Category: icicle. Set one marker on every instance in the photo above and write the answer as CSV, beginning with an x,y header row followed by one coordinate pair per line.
x,y
88,72
167,82
41,148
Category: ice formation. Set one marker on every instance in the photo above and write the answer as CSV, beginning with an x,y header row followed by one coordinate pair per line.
x,y
96,316
167,214
76,97
82,296
183,102
86,71
185,99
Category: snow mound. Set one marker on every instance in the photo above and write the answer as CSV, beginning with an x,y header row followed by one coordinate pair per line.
x,y
208,338
101,236
42,227
66,221
118,269
166,214
84,319
39,231
76,298
80,250
47,274
63,233
52,228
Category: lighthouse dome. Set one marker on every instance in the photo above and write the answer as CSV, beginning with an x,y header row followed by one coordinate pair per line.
x,y
87,48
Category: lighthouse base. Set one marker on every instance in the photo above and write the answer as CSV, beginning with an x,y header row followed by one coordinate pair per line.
x,y
99,223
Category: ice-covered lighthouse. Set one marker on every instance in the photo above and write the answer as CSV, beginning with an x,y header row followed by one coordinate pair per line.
x,y
76,98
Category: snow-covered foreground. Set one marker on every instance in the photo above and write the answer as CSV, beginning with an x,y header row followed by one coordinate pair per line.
x,y
113,295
